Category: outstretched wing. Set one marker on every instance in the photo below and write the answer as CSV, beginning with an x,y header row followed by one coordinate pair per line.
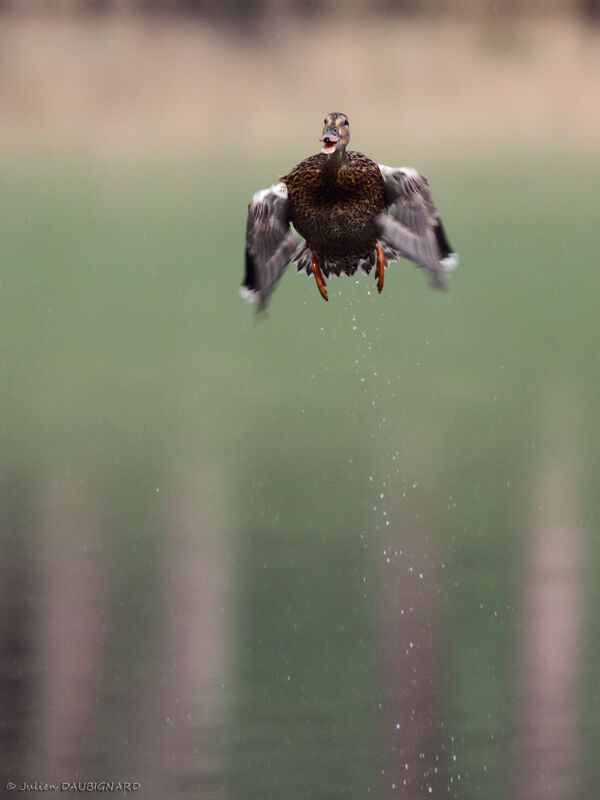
x,y
411,227
270,243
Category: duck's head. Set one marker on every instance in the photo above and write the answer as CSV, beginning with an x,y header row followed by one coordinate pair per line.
x,y
336,133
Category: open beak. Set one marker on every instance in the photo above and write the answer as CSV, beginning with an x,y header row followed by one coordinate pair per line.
x,y
330,139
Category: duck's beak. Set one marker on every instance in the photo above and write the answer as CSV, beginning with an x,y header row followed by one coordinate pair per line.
x,y
330,138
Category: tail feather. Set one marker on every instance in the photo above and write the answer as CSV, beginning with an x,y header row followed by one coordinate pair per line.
x,y
334,265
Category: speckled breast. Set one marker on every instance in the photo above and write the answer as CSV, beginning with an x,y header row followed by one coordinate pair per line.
x,y
335,213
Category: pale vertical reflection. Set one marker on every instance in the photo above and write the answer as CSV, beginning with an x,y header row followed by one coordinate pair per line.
x,y
549,657
71,603
195,635
406,634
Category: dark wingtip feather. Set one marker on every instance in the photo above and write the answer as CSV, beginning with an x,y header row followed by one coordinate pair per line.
x,y
250,275
442,241
448,258
249,288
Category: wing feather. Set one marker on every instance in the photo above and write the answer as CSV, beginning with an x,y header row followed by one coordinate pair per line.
x,y
270,242
411,226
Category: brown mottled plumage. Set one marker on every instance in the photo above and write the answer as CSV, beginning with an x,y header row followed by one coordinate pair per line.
x,y
351,213
335,209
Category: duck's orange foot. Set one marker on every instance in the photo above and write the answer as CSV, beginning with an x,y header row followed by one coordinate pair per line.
x,y
316,271
379,271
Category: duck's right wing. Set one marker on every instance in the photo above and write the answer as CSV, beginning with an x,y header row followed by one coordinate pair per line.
x,y
270,243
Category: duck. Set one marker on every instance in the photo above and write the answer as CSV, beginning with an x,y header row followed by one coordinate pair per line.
x,y
339,211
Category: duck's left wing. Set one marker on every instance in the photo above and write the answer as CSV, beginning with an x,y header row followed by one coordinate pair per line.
x,y
411,226
270,242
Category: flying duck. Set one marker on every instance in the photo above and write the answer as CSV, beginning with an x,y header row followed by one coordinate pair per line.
x,y
350,212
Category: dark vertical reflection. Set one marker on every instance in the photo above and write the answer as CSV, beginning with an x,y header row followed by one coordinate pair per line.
x,y
71,604
550,652
407,640
18,580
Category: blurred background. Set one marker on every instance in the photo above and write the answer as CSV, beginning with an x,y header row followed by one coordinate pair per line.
x,y
345,549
